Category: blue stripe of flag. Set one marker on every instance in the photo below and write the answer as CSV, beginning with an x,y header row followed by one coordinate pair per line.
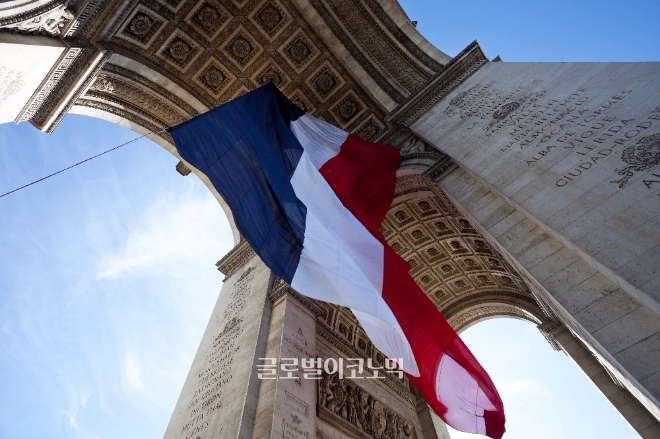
x,y
249,153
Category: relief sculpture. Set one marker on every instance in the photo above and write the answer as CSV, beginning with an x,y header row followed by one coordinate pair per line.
x,y
641,157
341,400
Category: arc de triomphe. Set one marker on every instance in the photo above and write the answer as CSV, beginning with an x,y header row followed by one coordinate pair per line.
x,y
527,190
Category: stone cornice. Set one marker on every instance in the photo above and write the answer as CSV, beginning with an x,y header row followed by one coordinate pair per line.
x,y
281,289
235,259
349,351
31,13
453,74
443,165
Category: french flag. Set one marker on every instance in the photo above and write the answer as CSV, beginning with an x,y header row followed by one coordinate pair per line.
x,y
309,198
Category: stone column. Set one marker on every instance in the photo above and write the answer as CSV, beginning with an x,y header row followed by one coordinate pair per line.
x,y
287,403
629,407
219,397
558,164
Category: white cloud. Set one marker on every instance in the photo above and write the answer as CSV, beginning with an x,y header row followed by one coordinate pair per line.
x,y
525,386
170,232
72,416
132,370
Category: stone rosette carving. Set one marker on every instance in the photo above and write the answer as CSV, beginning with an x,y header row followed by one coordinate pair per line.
x,y
301,102
369,129
270,18
214,78
180,51
209,18
325,81
272,73
299,51
142,27
346,405
641,157
242,48
347,109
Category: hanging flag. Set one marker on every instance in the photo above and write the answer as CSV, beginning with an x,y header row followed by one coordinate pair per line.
x,y
309,198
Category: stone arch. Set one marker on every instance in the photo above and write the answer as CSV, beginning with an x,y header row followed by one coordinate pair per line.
x,y
358,64
479,313
149,65
449,258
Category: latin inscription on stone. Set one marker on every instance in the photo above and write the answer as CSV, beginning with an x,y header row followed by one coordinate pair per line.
x,y
528,117
218,373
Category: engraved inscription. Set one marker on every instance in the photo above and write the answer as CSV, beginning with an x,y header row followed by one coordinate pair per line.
x,y
291,430
542,125
211,381
10,83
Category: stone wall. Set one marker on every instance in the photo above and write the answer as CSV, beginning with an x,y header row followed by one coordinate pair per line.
x,y
558,163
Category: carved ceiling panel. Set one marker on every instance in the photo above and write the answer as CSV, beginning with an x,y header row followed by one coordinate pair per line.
x,y
217,50
449,259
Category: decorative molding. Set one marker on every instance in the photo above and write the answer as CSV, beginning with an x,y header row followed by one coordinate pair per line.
x,y
136,118
81,17
43,10
82,88
375,73
182,169
281,289
467,317
454,73
382,50
268,61
401,37
440,168
407,184
50,23
118,91
114,70
56,85
235,259
348,343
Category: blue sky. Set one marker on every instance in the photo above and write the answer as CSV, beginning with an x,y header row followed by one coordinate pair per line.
x,y
107,274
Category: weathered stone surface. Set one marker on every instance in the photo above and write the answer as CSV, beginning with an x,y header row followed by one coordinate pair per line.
x,y
25,61
220,393
562,179
551,175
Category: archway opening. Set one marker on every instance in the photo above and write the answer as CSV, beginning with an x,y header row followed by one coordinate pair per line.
x,y
546,394
108,281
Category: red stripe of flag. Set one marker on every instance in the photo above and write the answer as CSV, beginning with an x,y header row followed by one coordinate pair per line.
x,y
363,176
